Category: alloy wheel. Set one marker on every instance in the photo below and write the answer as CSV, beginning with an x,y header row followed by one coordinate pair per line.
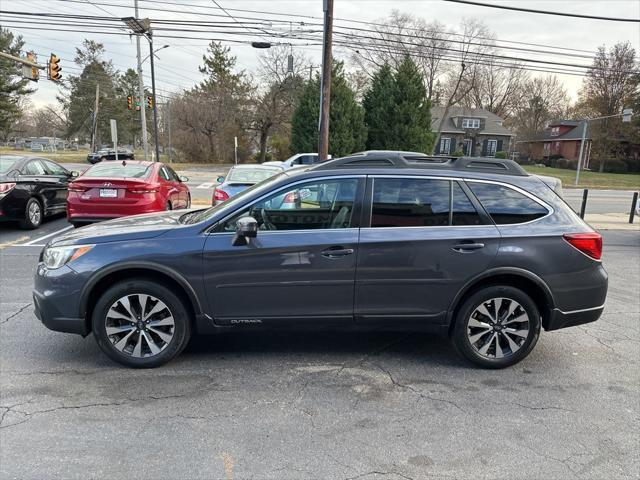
x,y
139,325
498,328
34,213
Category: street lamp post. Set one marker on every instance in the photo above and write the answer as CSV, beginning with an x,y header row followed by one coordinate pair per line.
x,y
143,27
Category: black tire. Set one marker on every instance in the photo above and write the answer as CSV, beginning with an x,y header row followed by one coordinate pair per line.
x,y
189,201
168,207
29,221
462,332
102,159
78,224
181,318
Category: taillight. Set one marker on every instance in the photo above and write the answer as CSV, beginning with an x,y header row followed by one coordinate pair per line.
x,y
588,243
142,190
6,188
77,189
220,195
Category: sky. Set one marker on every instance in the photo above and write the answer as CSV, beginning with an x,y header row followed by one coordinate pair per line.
x,y
177,65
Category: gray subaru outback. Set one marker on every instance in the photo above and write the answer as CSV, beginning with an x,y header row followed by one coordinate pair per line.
x,y
472,248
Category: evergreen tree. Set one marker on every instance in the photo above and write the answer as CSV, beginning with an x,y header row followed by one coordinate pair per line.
x,y
347,132
378,106
410,124
13,88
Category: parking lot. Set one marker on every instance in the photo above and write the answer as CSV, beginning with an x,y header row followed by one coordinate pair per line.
x,y
292,406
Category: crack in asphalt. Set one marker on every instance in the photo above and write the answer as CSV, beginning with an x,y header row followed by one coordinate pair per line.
x,y
379,472
415,390
126,401
22,309
531,407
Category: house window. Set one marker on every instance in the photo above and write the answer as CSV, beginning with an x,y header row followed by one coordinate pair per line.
x,y
468,146
555,131
445,146
470,123
492,145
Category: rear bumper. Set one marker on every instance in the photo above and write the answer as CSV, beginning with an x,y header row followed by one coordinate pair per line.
x,y
560,319
85,212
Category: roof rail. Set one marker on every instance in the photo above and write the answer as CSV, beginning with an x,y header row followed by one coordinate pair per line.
x,y
395,159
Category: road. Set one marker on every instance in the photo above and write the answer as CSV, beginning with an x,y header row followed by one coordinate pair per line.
x,y
317,406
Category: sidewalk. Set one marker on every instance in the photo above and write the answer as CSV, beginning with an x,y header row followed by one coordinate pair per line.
x,y
612,221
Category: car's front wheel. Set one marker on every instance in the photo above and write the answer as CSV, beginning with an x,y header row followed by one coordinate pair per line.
x,y
497,326
140,323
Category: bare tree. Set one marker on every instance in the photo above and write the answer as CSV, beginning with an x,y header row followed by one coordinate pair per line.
x,y
396,37
281,71
463,77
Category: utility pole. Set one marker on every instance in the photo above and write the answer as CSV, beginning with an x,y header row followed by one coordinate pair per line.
x,y
325,88
143,115
169,129
153,92
94,130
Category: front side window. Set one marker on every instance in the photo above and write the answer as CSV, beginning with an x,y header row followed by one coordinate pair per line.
x,y
54,168
505,205
321,204
164,174
410,202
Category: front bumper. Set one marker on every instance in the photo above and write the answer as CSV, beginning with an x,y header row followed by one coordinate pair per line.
x,y
560,319
56,297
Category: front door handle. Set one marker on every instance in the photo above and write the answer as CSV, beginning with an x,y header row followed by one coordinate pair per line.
x,y
468,247
337,252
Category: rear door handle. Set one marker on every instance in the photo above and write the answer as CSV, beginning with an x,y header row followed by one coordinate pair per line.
x,y
337,252
468,247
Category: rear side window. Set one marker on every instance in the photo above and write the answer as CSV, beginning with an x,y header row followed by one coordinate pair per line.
x,y
410,202
34,167
505,205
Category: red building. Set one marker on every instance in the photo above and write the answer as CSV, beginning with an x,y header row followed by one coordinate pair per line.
x,y
561,138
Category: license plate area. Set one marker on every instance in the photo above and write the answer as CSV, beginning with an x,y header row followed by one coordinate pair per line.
x,y
108,193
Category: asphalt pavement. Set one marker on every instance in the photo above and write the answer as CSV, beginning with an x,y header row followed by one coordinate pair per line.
x,y
322,405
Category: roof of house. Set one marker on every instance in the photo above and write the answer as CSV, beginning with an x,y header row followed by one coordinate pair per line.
x,y
493,123
573,134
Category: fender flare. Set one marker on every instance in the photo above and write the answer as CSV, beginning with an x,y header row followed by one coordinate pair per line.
x,y
150,266
494,272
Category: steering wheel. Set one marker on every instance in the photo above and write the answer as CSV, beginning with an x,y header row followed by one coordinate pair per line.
x,y
266,224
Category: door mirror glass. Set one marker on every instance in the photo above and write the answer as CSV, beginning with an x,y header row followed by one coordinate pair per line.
x,y
184,179
74,174
220,179
246,229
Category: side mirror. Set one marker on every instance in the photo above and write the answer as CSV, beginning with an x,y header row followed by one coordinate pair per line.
x,y
220,179
74,174
246,229
184,179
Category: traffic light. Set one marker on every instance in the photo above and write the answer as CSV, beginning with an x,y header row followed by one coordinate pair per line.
x,y
150,102
54,68
130,102
34,74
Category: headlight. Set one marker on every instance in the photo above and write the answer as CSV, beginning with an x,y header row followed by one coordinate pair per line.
x,y
55,257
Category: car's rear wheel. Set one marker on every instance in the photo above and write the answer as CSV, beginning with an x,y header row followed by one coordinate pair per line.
x,y
497,326
141,324
32,214
168,206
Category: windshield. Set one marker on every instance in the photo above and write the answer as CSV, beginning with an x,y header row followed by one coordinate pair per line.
x,y
7,163
250,175
128,170
203,215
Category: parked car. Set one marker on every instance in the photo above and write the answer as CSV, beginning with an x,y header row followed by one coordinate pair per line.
x,y
475,249
301,159
118,189
106,154
240,178
32,188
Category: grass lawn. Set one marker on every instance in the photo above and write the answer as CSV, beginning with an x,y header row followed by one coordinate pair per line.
x,y
610,181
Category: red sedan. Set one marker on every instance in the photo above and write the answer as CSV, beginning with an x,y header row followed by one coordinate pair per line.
x,y
117,189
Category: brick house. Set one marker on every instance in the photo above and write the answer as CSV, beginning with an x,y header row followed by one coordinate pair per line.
x,y
560,138
474,131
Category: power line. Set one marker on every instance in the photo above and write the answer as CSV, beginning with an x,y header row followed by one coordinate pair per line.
x,y
545,12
